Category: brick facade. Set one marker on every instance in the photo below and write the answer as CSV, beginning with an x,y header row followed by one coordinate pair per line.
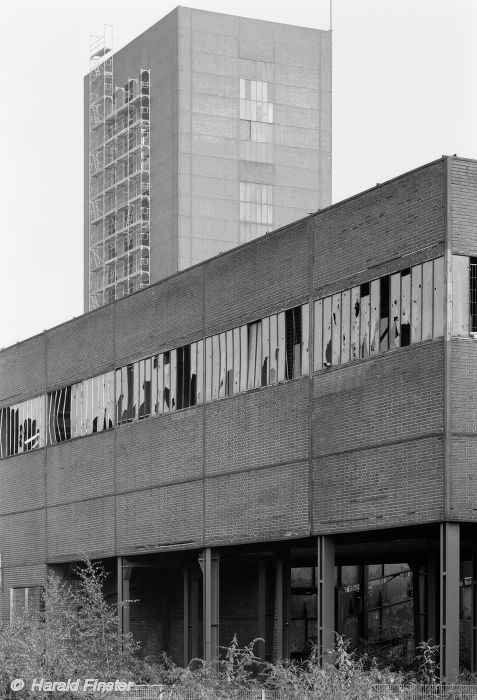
x,y
356,447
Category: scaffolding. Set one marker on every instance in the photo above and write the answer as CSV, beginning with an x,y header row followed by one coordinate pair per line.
x,y
119,221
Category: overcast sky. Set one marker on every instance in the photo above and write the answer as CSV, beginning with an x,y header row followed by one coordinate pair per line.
x,y
404,93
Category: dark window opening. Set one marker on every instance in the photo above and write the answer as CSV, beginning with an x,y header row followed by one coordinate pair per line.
x,y
384,313
183,372
473,295
293,343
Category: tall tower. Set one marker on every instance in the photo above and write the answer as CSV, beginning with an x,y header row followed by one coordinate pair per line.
x,y
204,132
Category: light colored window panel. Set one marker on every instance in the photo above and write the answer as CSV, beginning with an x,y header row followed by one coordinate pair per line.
x,y
281,358
160,383
318,336
265,369
208,369
236,360
242,88
355,322
405,307
395,311
223,364
147,387
427,294
336,329
252,354
243,357
111,412
258,356
345,325
167,382
119,397
154,410
438,329
74,409
416,303
141,366
173,379
135,406
460,295
215,367
273,349
193,375
305,339
364,331
375,308
327,322
87,407
200,372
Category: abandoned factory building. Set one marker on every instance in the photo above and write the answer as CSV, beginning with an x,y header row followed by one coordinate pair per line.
x,y
277,442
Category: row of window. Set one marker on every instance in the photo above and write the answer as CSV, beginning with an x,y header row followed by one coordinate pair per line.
x,y
393,311
257,354
390,312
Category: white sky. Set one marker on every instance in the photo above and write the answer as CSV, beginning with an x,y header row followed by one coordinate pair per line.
x,y
404,93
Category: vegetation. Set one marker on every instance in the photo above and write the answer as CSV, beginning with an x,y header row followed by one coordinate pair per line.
x,y
76,636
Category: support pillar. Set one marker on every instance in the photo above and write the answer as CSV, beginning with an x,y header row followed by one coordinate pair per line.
x,y
364,586
262,600
473,659
209,562
326,593
123,577
449,601
282,603
420,600
191,614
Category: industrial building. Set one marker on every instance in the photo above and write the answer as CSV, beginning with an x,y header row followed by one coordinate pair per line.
x,y
202,133
261,443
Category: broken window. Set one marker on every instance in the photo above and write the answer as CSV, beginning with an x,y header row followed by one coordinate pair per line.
x,y
22,427
427,294
336,329
59,415
375,317
389,312
405,307
438,298
254,355
395,311
345,325
327,332
365,318
186,375
293,343
473,294
355,322
384,313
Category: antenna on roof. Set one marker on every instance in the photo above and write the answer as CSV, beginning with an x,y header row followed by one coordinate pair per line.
x,y
331,14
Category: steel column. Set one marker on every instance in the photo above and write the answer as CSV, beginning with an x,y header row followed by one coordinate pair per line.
x,y
449,601
210,570
326,593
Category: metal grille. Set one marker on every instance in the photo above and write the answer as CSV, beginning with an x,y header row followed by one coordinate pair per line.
x,y
377,692
473,295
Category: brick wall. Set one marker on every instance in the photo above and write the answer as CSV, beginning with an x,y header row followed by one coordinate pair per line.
x,y
464,206
377,441
392,221
463,456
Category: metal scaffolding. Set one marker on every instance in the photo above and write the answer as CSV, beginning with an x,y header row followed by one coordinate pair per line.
x,y
119,123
